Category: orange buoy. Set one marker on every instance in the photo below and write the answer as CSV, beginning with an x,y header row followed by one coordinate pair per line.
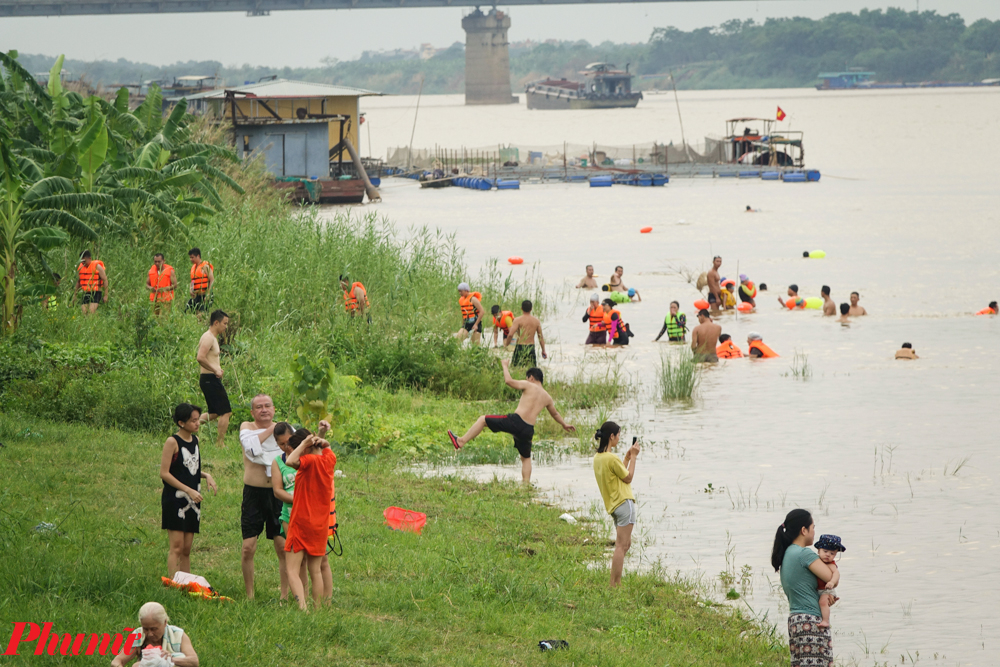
x,y
645,230
744,307
701,304
515,260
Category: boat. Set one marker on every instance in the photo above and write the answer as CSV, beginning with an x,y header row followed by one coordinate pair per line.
x,y
603,87
858,80
761,144
434,179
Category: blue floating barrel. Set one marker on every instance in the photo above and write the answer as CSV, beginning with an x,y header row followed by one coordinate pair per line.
x,y
645,180
795,177
769,176
578,177
484,184
727,174
660,179
600,181
812,175
376,181
749,174
508,185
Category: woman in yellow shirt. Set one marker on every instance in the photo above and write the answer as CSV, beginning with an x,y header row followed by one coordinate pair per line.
x,y
614,479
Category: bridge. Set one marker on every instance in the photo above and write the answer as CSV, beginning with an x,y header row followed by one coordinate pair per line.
x,y
487,61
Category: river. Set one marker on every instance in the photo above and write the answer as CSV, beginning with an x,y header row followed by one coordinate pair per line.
x,y
899,458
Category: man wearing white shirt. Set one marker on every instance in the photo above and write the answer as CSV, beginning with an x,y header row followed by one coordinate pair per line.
x,y
260,509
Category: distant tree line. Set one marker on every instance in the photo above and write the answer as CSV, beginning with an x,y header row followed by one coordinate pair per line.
x,y
896,44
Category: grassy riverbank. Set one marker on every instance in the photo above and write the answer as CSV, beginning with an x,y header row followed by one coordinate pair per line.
x,y
492,574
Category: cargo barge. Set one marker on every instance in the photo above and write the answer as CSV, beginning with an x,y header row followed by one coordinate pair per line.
x,y
604,87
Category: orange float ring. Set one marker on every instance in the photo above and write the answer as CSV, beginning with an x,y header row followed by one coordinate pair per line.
x,y
701,304
645,230
515,260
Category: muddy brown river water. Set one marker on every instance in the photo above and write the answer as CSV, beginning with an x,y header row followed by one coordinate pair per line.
x,y
899,458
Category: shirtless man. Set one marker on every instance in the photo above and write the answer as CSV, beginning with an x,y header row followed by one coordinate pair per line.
x,y
527,325
588,281
260,510
705,338
714,287
829,307
856,310
521,422
216,398
845,309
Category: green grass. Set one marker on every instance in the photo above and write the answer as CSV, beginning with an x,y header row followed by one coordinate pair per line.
x,y
493,573
677,375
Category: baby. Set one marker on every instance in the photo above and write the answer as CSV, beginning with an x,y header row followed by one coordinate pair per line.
x,y
829,547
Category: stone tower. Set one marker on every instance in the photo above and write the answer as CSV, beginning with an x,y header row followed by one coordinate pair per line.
x,y
487,61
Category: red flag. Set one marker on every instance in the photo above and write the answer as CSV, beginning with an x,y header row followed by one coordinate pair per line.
x,y
781,114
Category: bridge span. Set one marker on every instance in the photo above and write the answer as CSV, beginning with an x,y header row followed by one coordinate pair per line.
x,y
487,61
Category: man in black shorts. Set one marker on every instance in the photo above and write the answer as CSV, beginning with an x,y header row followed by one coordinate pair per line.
x,y
210,379
521,422
260,509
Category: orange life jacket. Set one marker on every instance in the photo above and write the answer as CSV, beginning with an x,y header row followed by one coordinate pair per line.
x,y
162,281
987,311
88,278
465,303
749,289
607,322
504,314
596,315
764,349
199,276
728,351
351,301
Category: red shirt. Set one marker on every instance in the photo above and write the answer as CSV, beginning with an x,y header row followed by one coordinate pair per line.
x,y
308,526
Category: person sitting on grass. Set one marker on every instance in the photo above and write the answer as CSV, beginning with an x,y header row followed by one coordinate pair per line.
x,y
309,524
614,479
521,422
180,502
158,639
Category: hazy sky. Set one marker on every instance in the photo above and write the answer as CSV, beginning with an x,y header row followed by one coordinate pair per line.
x,y
304,38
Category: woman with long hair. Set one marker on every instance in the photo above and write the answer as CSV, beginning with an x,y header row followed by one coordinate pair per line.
x,y
810,645
614,479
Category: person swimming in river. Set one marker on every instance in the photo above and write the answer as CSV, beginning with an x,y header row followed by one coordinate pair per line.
x,y
828,547
674,325
618,330
588,281
991,309
615,284
795,301
705,339
521,422
845,313
527,325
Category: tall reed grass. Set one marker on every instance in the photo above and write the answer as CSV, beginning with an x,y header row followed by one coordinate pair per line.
x,y
678,375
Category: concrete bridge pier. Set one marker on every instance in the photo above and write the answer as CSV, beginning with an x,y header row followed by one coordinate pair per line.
x,y
487,60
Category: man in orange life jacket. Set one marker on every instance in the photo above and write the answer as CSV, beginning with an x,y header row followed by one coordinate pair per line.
x,y
501,322
989,310
161,281
472,313
758,349
355,297
202,281
726,349
92,280
595,316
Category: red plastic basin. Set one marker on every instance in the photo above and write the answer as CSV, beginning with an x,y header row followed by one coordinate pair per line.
x,y
398,518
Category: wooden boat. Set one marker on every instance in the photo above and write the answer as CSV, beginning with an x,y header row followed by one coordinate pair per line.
x,y
604,88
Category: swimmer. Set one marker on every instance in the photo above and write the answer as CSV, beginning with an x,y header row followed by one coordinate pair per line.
x,y
989,310
527,325
674,324
588,281
751,210
595,316
705,338
616,284
748,291
763,287
757,348
845,313
829,307
714,286
726,349
729,295
906,352
856,310
793,292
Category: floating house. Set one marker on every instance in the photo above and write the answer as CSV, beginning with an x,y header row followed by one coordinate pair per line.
x,y
306,133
